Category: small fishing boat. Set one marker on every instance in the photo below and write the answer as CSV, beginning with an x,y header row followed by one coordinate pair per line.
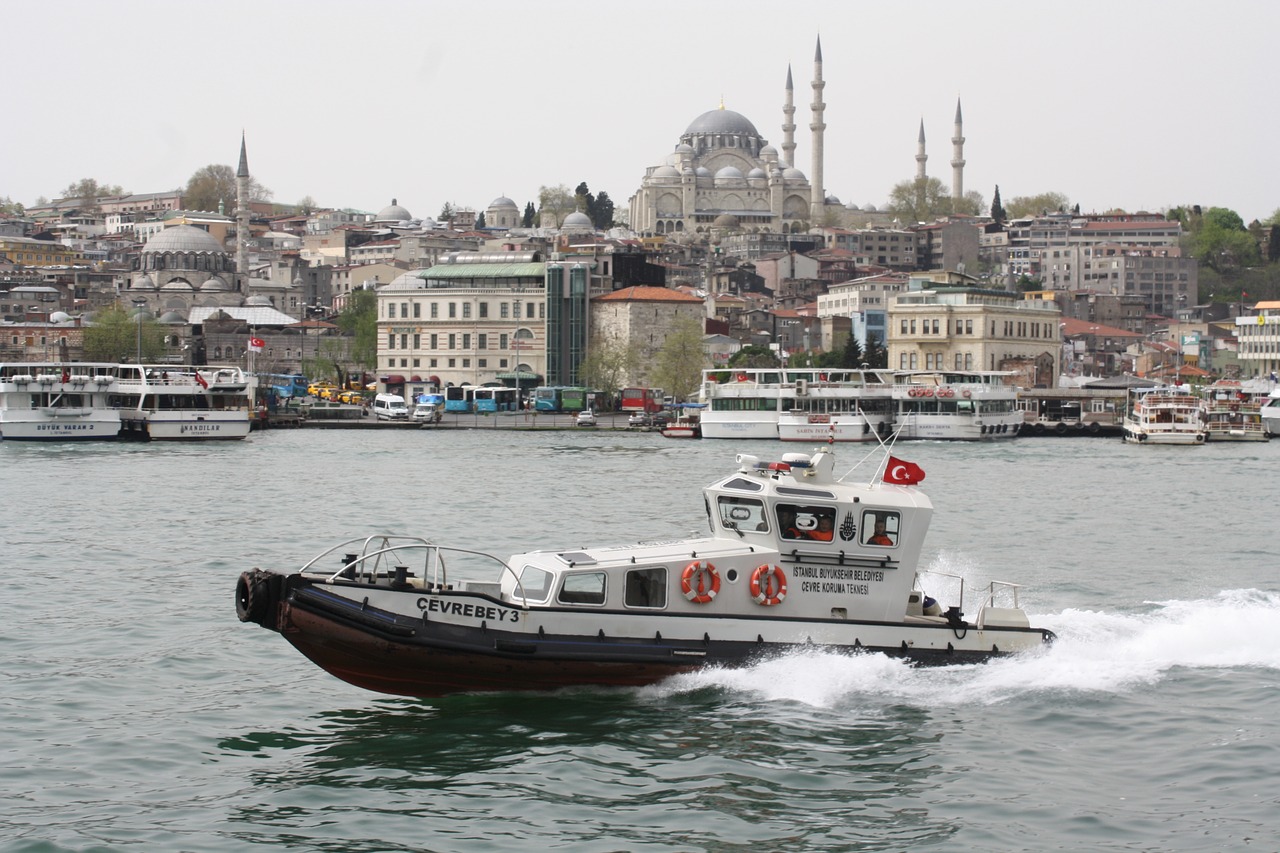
x,y
797,558
687,422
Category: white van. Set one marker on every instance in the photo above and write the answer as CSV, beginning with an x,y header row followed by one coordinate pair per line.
x,y
390,407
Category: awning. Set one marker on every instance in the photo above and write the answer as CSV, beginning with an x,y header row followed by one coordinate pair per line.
x,y
394,379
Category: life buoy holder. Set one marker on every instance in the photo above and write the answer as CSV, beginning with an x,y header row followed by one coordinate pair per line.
x,y
768,585
701,570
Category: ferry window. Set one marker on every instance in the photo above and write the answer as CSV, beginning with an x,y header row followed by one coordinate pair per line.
x,y
814,523
742,514
881,528
582,588
646,588
534,584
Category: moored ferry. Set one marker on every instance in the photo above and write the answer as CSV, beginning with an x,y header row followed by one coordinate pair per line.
x,y
956,405
807,404
797,558
58,401
1233,413
1164,416
175,403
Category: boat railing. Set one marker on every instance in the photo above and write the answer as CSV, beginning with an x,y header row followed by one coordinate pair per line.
x,y
1003,589
382,557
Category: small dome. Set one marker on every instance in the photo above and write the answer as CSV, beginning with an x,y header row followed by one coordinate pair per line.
x,y
144,282
851,206
791,173
665,172
769,152
173,318
393,213
502,201
728,172
869,208
831,199
59,317
183,238
214,283
722,121
726,220
684,148
259,301
578,219
757,173
702,172
177,284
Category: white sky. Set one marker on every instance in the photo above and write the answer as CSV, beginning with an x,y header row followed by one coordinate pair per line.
x,y
1136,104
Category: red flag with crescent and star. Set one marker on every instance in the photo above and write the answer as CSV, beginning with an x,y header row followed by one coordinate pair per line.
x,y
902,473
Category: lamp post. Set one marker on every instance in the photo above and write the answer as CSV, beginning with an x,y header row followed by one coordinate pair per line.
x,y
139,303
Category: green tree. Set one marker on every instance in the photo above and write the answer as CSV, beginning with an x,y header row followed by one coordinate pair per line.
x,y
480,220
87,191
1036,205
602,213
214,184
360,320
754,355
114,336
556,202
875,355
997,209
530,214
10,207
607,365
919,200
1223,243
447,213
681,360
306,205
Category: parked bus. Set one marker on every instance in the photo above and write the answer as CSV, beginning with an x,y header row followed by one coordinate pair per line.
x,y
546,398
492,398
284,384
573,399
459,398
647,400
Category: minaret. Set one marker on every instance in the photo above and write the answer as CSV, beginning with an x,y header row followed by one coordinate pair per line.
x,y
957,157
817,127
789,123
921,157
242,219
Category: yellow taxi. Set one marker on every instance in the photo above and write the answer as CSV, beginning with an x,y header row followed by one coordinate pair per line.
x,y
322,389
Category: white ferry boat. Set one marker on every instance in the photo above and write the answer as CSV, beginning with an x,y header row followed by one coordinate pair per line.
x,y
1164,416
168,403
797,558
1270,413
1232,413
956,405
806,404
57,401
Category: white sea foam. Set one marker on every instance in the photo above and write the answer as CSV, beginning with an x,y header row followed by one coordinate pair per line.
x,y
1096,651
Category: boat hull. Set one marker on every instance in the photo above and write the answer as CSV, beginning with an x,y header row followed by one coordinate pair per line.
x,y
185,426
390,651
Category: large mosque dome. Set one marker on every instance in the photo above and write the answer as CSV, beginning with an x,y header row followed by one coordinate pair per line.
x,y
393,213
722,121
183,238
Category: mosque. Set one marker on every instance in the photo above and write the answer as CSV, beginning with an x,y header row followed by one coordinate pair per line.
x,y
723,173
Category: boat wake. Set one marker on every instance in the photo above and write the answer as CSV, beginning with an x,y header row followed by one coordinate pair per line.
x,y
1096,652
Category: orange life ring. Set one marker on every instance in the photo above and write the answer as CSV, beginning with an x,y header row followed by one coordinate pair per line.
x,y
927,392
700,569
768,585
966,392
914,392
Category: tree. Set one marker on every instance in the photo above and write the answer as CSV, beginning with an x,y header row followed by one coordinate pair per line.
x,y
1223,243
875,355
10,207
216,184
602,214
607,365
971,204
87,191
360,320
1037,205
480,220
530,214
306,205
997,210
447,213
681,359
114,336
556,202
753,355
919,200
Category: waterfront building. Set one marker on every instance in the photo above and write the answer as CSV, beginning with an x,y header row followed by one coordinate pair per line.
x,y
1258,339
642,317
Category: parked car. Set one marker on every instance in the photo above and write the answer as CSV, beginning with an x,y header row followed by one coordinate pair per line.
x,y
639,419
586,418
661,419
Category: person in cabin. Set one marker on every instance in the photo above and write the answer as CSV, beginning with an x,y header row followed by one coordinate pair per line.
x,y
824,530
878,536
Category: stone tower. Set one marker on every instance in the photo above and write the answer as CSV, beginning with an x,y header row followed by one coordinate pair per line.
x,y
957,157
242,219
789,123
817,127
921,157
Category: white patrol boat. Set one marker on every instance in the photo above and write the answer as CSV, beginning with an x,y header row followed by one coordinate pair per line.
x,y
797,558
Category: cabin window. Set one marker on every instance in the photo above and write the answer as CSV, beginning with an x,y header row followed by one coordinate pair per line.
x,y
742,514
881,528
646,588
582,588
534,584
815,523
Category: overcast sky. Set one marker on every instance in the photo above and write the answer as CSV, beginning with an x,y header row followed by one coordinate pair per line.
x,y
1133,104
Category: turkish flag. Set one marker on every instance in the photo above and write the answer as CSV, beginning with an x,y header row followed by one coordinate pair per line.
x,y
902,473
256,344
200,379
